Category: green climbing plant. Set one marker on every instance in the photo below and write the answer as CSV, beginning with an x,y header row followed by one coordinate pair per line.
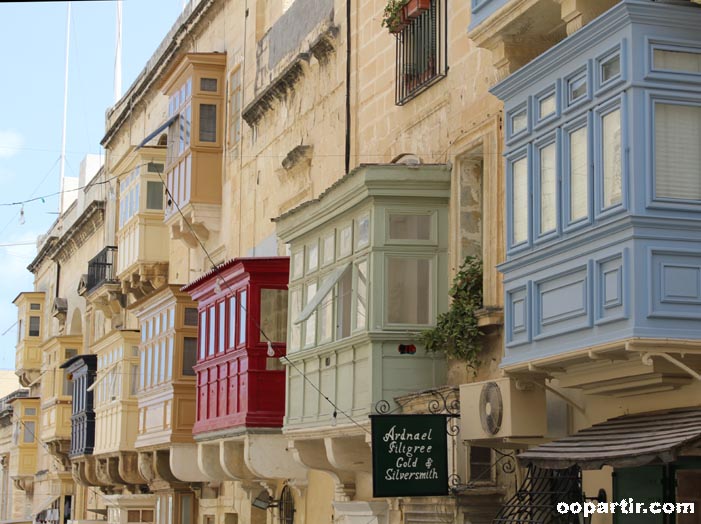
x,y
456,331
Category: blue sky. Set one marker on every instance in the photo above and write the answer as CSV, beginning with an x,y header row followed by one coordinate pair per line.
x,y
32,46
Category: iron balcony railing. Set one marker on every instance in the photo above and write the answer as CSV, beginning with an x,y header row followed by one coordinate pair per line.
x,y
101,269
421,52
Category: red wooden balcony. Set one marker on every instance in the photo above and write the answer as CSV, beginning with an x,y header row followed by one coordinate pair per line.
x,y
238,384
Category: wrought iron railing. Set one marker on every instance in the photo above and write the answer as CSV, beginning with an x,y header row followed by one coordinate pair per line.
x,y
101,269
421,52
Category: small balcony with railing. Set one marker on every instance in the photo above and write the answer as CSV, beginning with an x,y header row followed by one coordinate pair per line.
x,y
142,238
195,88
30,321
23,452
100,286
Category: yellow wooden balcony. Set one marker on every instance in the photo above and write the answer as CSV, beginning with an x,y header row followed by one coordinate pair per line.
x,y
23,452
30,321
56,394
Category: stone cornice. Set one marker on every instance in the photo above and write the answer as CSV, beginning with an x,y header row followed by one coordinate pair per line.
x,y
61,248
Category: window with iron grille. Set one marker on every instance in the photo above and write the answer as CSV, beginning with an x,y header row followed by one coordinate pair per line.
x,y
421,52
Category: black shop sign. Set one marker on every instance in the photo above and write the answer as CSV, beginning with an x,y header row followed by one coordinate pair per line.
x,y
409,455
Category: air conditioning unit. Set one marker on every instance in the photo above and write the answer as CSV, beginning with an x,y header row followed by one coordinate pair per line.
x,y
502,408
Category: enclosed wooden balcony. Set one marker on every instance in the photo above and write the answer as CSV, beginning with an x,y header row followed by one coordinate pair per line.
x,y
23,452
240,382
195,88
81,370
142,237
56,394
30,321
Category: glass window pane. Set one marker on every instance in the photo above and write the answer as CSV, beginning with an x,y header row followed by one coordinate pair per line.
x,y
518,122
519,178
273,314
611,140
677,151
410,227
190,316
212,325
232,322
546,106
222,326
363,231
208,123
171,356
133,379
683,61
297,264
344,301
186,509
361,295
325,312
312,257
29,431
208,84
610,68
296,309
154,195
577,88
203,333
189,355
328,248
409,290
579,180
34,326
310,324
548,189
345,241
243,308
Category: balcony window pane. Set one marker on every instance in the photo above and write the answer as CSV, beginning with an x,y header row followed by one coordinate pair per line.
x,y
171,316
273,314
519,122
208,84
34,326
296,309
190,316
546,106
677,151
232,322
203,333
29,431
519,178
363,231
579,183
610,68
171,356
310,324
154,195
345,241
35,307
297,264
187,112
410,227
312,257
611,140
682,61
189,355
67,385
208,123
328,248
361,294
222,326
149,367
325,311
212,332
142,369
186,509
344,301
577,88
243,308
133,379
548,189
409,290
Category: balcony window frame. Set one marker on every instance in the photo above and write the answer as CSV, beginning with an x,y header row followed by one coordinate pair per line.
x,y
600,85
433,227
522,108
408,41
553,90
549,139
583,72
433,294
615,103
670,98
582,122
522,153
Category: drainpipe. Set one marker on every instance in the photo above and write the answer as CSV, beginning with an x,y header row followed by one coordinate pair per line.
x,y
348,85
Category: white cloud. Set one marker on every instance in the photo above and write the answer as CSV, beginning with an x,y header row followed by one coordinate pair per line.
x,y
10,143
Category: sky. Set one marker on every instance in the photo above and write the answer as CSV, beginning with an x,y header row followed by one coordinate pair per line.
x,y
32,58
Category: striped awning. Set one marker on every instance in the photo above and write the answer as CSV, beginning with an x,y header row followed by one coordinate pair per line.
x,y
627,441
